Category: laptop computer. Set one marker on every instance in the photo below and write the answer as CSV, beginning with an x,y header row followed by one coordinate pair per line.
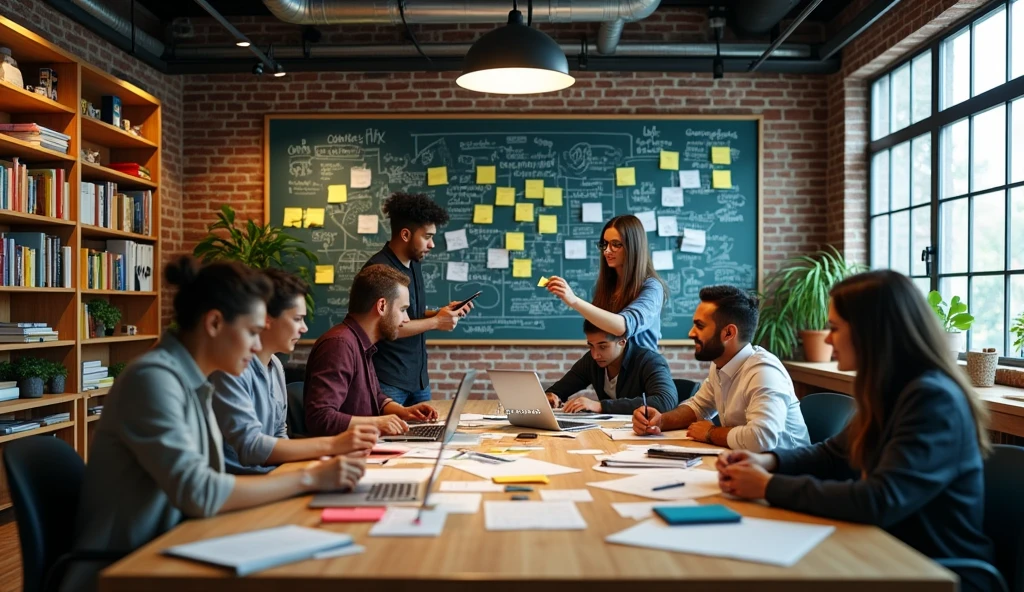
x,y
405,493
434,430
526,405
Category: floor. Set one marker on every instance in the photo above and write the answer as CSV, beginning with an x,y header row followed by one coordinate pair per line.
x,y
10,553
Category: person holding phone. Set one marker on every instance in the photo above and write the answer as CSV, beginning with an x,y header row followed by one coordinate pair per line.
x,y
629,294
402,364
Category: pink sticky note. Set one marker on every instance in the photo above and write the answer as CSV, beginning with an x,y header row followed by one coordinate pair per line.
x,y
352,514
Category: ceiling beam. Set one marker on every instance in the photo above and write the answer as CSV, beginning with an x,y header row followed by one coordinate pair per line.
x,y
860,23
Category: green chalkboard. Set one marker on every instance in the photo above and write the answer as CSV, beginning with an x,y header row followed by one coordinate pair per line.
x,y
309,156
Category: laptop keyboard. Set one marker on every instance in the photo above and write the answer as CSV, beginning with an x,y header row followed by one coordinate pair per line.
x,y
393,492
433,431
576,426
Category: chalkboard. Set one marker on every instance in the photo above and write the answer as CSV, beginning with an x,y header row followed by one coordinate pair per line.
x,y
308,158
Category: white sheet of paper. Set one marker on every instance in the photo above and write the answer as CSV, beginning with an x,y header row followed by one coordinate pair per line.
x,y
521,466
752,539
566,495
360,178
668,226
699,483
694,241
456,239
472,416
394,475
474,486
575,249
627,433
592,212
456,503
458,271
648,219
641,510
690,248
401,522
689,179
672,197
496,259
532,515
662,260
368,224
587,451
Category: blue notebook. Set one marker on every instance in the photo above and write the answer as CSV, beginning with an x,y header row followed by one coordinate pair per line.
x,y
710,514
250,552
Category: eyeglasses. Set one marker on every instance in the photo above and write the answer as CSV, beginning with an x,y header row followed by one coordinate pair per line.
x,y
614,245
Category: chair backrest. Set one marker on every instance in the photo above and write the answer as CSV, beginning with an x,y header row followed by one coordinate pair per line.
x,y
685,388
826,414
45,477
1004,514
296,410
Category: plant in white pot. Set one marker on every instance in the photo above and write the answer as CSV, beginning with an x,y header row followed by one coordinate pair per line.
x,y
1017,328
954,318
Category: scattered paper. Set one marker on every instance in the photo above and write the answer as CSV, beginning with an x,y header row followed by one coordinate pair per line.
x,y
672,197
497,259
535,188
547,224
662,260
515,241
505,196
313,218
668,226
627,433
641,510
587,451
689,179
543,282
694,241
403,522
566,495
437,176
552,196
360,178
483,214
699,483
522,466
292,218
456,239
522,268
368,224
532,515
455,503
486,175
625,176
575,249
473,486
669,160
720,155
337,194
721,179
324,274
648,219
593,212
524,212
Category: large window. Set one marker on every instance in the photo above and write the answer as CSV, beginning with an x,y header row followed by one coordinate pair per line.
x,y
947,170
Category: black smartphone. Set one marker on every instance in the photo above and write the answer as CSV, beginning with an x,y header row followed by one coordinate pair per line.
x,y
465,302
673,454
526,436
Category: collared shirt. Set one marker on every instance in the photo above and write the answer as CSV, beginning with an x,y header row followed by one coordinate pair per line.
x,y
340,380
754,395
252,411
403,362
155,459
642,371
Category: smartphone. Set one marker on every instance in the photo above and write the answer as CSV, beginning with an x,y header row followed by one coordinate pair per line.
x,y
672,454
466,301
526,436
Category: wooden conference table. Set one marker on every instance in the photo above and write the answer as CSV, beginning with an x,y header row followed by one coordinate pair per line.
x,y
467,557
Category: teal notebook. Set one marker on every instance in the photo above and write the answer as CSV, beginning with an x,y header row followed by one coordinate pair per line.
x,y
710,514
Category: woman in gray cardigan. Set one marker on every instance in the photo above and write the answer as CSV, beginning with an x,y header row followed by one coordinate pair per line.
x,y
910,461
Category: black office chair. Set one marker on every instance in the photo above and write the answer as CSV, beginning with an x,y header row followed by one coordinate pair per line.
x,y
1004,524
296,410
685,388
826,414
45,476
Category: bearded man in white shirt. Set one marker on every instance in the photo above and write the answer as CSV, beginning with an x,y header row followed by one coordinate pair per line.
x,y
747,387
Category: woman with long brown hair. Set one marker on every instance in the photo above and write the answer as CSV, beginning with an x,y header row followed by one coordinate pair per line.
x,y
910,460
629,294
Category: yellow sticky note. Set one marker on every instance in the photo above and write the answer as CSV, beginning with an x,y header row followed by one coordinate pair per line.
x,y
721,179
522,479
524,212
314,218
324,274
483,214
337,193
543,282
547,224
522,268
625,176
437,176
720,155
552,196
486,175
506,196
292,218
515,241
669,160
535,188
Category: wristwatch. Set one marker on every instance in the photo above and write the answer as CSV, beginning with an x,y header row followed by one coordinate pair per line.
x,y
708,438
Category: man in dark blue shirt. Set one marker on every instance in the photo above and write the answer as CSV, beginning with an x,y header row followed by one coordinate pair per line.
x,y
402,364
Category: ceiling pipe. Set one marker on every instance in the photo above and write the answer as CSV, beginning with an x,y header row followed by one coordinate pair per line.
x,y
785,35
119,24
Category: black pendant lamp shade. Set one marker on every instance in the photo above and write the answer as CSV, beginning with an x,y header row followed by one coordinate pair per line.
x,y
515,59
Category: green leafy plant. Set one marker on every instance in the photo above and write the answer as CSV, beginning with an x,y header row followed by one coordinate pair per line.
x,y
1017,328
104,312
796,298
954,316
7,371
29,367
55,369
116,369
258,246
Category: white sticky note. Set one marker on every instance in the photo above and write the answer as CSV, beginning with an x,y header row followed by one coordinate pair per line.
x,y
575,249
592,212
566,495
649,220
689,179
662,260
360,178
458,271
497,259
410,522
456,239
368,224
668,226
694,241
456,503
672,197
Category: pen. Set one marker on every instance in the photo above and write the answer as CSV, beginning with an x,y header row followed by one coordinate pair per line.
x,y
488,456
669,486
644,395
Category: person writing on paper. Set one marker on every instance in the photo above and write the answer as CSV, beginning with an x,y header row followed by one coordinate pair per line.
x,y
156,456
619,371
252,408
747,387
629,294
401,363
910,459
341,388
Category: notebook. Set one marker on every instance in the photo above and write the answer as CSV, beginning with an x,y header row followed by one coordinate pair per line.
x,y
709,514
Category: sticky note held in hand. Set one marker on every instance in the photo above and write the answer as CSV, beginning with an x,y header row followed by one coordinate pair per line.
x,y
543,283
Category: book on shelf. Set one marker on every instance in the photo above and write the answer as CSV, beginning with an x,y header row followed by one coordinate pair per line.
x,y
34,259
125,265
9,393
42,338
44,192
8,384
55,418
14,426
131,168
38,135
97,383
95,410
104,206
91,363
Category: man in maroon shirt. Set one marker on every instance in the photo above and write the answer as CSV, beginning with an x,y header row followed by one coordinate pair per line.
x,y
341,387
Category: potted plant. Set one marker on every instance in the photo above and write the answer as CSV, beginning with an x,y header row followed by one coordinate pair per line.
x,y
795,303
116,369
57,374
954,318
32,374
105,314
1017,328
7,371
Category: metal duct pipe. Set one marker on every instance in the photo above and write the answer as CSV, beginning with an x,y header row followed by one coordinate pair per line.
x,y
759,16
118,23
608,36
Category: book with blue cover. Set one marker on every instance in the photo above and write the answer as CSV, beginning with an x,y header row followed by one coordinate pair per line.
x,y
708,514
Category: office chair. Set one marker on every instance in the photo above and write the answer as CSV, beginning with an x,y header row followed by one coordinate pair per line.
x,y
296,410
826,414
45,476
685,388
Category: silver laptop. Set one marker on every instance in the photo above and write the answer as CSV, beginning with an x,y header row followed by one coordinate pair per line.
x,y
433,431
527,406
407,493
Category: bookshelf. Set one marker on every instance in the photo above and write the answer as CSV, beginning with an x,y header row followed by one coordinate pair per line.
x,y
62,307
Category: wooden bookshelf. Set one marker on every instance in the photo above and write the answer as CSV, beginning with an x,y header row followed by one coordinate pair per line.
x,y
98,232
12,218
94,172
117,293
119,339
19,100
11,146
27,290
101,132
44,401
41,430
8,347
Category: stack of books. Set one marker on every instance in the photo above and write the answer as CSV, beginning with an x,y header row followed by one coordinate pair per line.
x,y
13,426
131,168
55,418
26,333
38,135
34,259
103,205
96,410
125,265
95,376
9,390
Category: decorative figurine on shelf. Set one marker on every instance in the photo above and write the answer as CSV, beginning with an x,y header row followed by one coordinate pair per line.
x,y
91,156
137,130
94,112
9,71
85,107
48,81
126,124
129,329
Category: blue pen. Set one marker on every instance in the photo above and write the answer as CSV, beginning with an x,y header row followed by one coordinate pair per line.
x,y
644,395
669,486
